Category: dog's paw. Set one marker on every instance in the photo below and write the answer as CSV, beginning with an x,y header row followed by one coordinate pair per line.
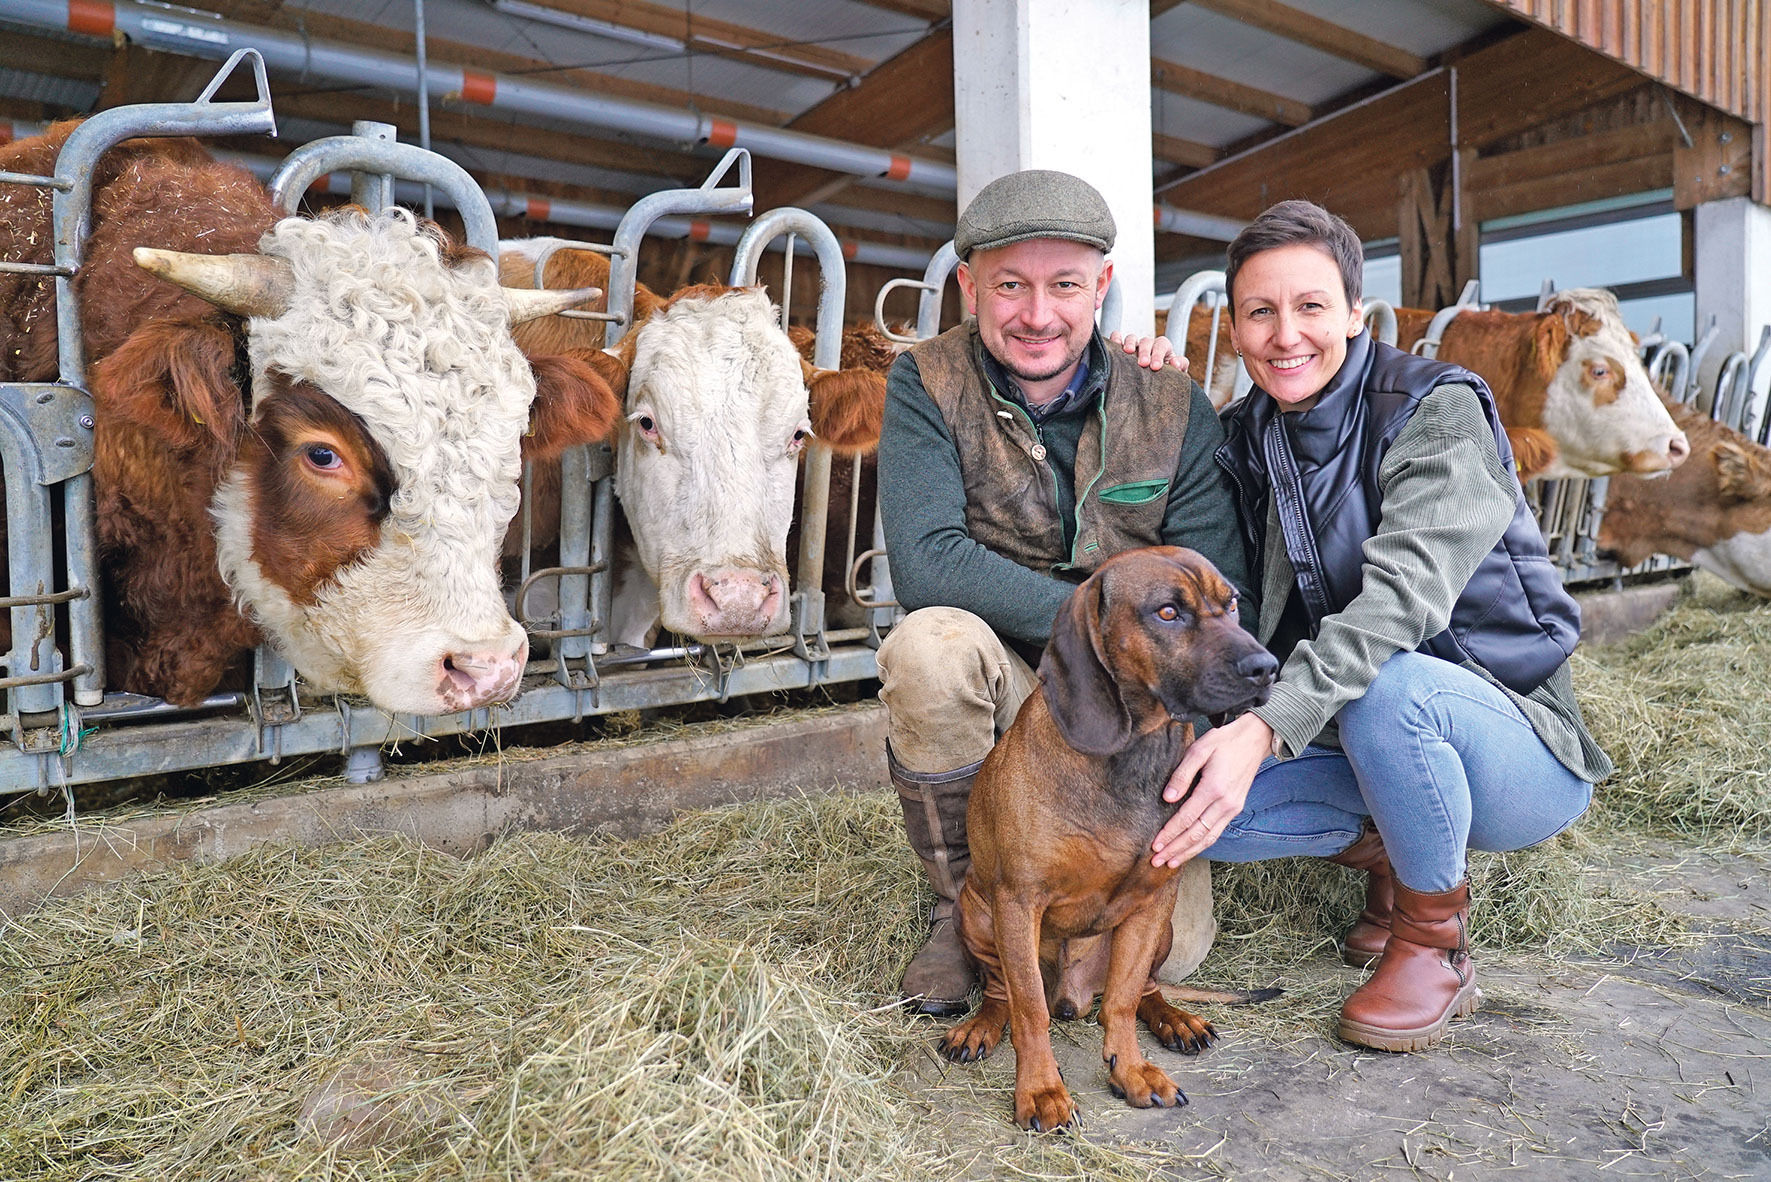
x,y
971,1040
1174,1028
1045,1109
1143,1084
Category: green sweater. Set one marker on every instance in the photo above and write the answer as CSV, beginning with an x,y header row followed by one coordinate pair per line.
x,y
934,560
1446,502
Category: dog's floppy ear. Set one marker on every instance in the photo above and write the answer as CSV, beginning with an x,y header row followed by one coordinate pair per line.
x,y
1080,691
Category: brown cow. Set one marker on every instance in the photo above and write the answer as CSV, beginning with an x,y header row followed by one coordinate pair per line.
x,y
313,438
1714,510
1570,388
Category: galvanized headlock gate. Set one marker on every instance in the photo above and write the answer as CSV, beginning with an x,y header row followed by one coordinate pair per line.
x,y
67,727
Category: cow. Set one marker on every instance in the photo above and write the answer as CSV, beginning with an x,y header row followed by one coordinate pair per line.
x,y
307,430
718,406
1571,390
1714,510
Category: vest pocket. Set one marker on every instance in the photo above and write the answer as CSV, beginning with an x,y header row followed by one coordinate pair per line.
x,y
1138,492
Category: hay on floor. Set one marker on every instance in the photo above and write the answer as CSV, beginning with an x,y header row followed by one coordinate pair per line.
x,y
1684,708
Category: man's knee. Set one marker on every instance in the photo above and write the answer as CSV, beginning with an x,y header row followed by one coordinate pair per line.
x,y
938,650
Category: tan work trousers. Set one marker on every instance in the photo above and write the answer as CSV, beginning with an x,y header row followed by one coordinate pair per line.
x,y
950,686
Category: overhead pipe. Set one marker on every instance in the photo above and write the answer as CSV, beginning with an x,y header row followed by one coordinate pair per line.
x,y
505,203
185,31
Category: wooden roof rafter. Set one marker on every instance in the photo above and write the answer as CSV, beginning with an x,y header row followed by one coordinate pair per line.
x,y
1294,24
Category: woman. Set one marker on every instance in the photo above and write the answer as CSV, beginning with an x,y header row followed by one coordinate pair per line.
x,y
1422,631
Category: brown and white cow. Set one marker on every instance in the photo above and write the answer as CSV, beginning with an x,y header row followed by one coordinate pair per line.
x,y
1714,510
718,406
307,430
1569,385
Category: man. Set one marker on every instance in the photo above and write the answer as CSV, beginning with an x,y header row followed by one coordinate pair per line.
x,y
1019,452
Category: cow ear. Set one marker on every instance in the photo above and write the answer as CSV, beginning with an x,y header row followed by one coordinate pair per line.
x,y
1080,691
1533,451
1549,345
573,403
847,408
175,380
1740,474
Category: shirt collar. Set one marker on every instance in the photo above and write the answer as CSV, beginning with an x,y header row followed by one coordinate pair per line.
x,y
1078,392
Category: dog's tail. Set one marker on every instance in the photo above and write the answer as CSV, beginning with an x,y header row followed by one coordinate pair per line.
x,y
1233,997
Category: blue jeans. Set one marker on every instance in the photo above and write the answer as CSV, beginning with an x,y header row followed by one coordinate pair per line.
x,y
1441,760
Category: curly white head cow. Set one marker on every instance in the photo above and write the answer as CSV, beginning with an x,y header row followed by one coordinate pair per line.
x,y
718,408
1569,385
334,426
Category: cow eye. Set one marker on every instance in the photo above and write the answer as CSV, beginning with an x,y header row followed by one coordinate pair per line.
x,y
648,427
1600,371
323,457
801,436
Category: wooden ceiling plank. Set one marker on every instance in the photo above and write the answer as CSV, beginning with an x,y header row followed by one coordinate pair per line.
x,y
1607,180
1306,29
1226,93
756,46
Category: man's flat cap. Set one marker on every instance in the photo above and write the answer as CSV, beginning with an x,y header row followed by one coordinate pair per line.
x,y
1035,203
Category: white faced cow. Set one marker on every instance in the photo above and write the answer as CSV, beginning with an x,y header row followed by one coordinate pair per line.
x,y
1569,385
718,407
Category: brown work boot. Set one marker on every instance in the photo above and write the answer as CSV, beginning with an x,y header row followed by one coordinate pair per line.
x,y
938,981
1364,941
1424,979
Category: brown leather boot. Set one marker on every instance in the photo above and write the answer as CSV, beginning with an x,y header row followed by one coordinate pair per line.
x,y
938,981
1424,979
1364,941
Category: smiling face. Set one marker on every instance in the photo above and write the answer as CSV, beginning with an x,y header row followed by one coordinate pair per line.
x,y
1035,302
1291,320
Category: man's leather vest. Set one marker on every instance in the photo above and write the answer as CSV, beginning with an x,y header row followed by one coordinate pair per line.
x,y
1513,617
1125,460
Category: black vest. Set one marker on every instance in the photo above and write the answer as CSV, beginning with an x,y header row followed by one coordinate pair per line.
x,y
1513,617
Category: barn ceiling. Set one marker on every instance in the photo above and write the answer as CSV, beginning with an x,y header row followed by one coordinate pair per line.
x,y
1227,77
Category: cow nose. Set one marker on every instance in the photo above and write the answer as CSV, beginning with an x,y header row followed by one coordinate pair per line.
x,y
480,677
1258,668
1677,449
734,601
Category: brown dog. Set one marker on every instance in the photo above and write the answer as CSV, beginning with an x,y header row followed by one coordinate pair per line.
x,y
1062,902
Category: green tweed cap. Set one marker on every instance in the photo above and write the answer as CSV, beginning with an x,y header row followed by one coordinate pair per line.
x,y
1034,203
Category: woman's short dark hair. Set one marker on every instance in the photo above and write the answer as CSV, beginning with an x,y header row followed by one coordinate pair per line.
x,y
1289,223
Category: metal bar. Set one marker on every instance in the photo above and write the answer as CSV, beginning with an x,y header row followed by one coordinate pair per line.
x,y
351,153
178,745
934,290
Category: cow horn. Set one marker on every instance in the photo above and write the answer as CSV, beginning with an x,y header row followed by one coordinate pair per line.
x,y
528,303
246,284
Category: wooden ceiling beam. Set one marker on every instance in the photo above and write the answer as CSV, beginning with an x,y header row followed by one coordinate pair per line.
x,y
1226,93
706,35
1190,153
874,113
319,25
1293,24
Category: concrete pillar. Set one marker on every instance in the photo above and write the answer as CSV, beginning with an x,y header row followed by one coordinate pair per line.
x,y
1063,84
1733,278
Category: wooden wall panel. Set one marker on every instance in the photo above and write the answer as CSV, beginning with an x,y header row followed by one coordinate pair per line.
x,y
1718,51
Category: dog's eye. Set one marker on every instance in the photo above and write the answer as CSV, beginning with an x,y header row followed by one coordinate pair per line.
x,y
1235,602
1168,612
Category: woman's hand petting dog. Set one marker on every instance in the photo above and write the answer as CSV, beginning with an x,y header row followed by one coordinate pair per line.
x,y
1224,760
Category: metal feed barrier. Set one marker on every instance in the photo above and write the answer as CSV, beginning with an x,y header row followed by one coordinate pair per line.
x,y
68,727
